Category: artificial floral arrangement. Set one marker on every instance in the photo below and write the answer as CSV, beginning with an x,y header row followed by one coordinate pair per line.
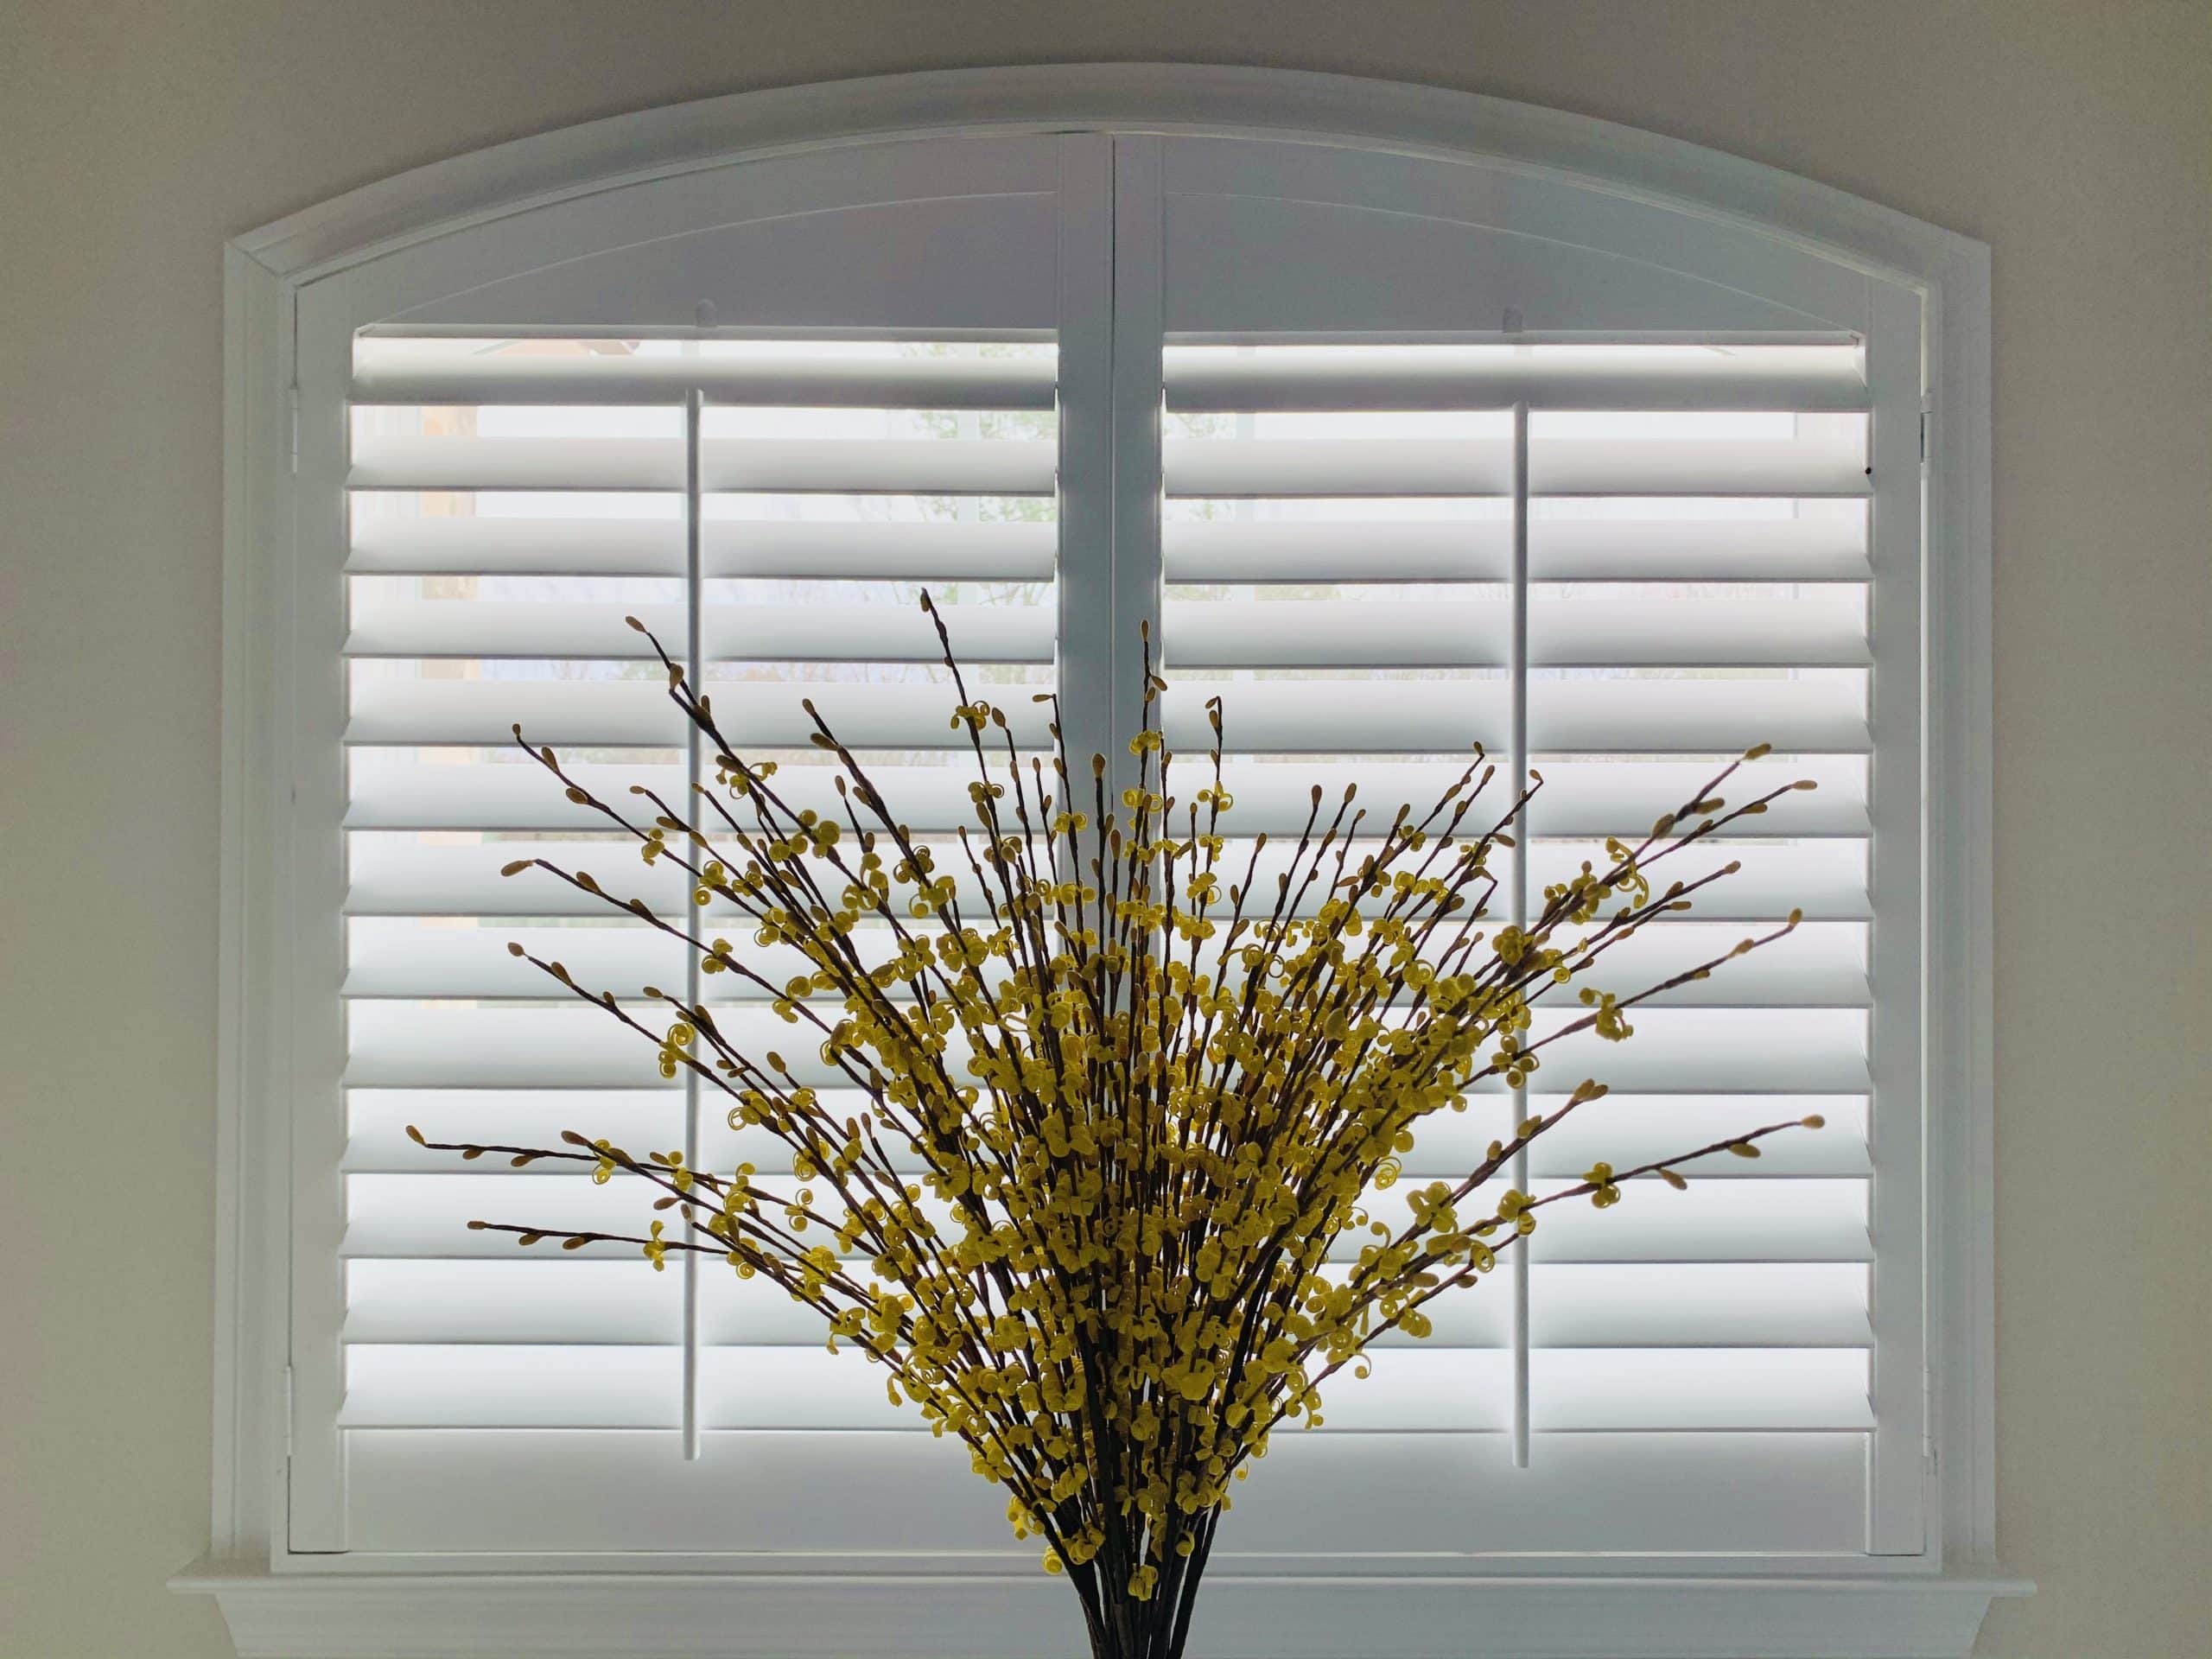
x,y
1145,1092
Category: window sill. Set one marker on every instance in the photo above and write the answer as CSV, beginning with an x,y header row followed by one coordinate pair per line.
x,y
355,1615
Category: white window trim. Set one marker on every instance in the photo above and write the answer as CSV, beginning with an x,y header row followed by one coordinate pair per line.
x,y
280,1602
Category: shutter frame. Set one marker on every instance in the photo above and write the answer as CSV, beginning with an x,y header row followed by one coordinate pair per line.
x,y
1956,357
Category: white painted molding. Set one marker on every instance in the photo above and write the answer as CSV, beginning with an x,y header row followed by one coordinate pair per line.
x,y
282,1602
788,1616
1397,116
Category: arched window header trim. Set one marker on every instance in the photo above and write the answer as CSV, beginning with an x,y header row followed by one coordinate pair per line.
x,y
1399,117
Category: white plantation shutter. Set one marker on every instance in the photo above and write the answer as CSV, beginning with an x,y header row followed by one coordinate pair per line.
x,y
835,479
1340,546
1389,480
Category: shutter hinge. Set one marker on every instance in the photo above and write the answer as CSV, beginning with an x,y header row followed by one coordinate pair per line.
x,y
289,1411
1927,431
1928,1418
293,398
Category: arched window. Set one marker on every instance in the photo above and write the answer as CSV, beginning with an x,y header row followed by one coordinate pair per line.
x,y
1405,421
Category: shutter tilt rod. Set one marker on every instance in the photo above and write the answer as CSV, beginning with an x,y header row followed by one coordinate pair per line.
x,y
1521,852
694,410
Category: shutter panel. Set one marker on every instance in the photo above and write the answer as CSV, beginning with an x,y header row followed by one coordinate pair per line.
x,y
1338,553
512,500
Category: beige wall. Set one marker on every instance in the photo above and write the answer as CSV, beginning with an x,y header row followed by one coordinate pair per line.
x,y
2075,139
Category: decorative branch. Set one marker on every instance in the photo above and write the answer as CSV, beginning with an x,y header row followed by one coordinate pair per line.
x,y
1145,1097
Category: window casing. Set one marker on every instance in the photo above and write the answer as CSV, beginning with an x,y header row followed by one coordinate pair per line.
x,y
1487,336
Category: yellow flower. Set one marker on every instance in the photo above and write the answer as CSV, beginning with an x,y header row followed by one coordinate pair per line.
x,y
1600,1176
